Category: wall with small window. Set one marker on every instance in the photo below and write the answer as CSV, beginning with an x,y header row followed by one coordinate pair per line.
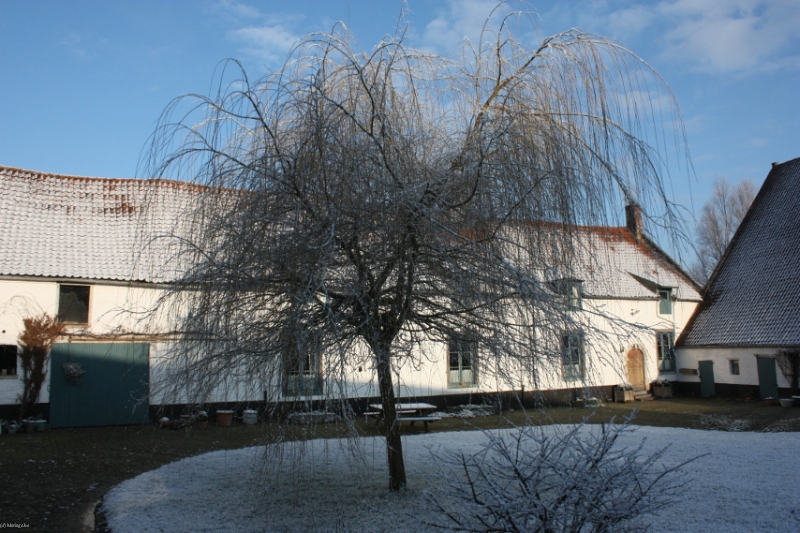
x,y
732,365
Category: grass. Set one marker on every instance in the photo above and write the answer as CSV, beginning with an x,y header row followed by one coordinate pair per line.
x,y
51,481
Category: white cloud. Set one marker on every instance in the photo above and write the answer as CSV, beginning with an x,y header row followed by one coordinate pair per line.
x,y
266,38
733,37
456,23
270,42
233,11
739,37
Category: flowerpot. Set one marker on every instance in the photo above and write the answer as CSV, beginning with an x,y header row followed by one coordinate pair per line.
x,y
770,401
224,418
623,396
787,402
662,392
250,417
202,424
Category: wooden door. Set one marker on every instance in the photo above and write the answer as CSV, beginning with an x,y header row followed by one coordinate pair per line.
x,y
636,369
707,389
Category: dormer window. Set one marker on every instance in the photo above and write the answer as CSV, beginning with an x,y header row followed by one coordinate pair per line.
x,y
572,291
664,301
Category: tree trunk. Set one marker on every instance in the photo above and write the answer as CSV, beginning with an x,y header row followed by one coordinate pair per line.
x,y
394,446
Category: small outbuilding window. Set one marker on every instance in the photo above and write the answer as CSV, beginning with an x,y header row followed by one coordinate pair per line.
x,y
734,367
8,360
73,304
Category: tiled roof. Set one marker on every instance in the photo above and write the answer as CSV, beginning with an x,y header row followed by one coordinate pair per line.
x,y
87,228
108,229
618,265
753,298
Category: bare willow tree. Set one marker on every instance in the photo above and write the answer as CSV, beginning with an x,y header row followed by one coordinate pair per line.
x,y
721,216
355,204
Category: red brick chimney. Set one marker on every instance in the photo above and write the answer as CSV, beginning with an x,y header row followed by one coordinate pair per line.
x,y
633,220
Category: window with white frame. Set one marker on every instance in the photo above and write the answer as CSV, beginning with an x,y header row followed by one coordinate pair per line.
x,y
665,347
8,359
572,356
461,356
302,369
73,304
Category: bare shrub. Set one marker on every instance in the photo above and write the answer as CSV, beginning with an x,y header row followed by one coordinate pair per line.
x,y
36,338
788,360
547,479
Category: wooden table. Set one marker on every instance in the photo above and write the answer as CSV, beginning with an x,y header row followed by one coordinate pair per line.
x,y
406,412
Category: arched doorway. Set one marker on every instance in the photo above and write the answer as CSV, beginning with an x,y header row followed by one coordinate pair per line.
x,y
636,369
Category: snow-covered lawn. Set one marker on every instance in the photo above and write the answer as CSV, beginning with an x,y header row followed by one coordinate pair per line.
x,y
749,482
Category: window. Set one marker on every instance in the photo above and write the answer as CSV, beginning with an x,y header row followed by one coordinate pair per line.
x,y
666,354
303,376
73,304
461,363
8,360
665,301
572,356
734,367
572,292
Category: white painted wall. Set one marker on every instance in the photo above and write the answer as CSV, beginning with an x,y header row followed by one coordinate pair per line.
x,y
612,328
688,357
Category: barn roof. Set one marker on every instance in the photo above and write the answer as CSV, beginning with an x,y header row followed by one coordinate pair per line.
x,y
753,297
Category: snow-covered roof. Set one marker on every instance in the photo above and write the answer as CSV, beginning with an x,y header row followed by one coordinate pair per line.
x,y
753,298
618,265
88,228
108,229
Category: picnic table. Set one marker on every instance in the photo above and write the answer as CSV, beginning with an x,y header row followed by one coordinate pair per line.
x,y
406,412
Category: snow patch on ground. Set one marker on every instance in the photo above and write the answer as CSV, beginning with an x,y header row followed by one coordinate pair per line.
x,y
749,482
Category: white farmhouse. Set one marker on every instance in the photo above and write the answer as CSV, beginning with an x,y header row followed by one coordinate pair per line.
x,y
90,251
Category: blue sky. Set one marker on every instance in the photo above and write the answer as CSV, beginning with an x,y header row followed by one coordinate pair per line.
x,y
83,83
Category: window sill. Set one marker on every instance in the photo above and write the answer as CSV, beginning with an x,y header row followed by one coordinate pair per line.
x,y
9,377
461,386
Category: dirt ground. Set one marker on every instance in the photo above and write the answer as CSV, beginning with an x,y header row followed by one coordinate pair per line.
x,y
52,481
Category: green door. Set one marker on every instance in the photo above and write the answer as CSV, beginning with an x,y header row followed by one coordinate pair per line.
x,y
707,379
767,377
113,390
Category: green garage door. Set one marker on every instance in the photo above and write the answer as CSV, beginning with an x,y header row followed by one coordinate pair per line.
x,y
113,390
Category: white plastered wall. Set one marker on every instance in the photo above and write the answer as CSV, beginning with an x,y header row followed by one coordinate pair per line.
x,y
612,328
688,357
118,313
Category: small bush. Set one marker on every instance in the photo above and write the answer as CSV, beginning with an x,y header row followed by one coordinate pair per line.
x,y
36,339
555,480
